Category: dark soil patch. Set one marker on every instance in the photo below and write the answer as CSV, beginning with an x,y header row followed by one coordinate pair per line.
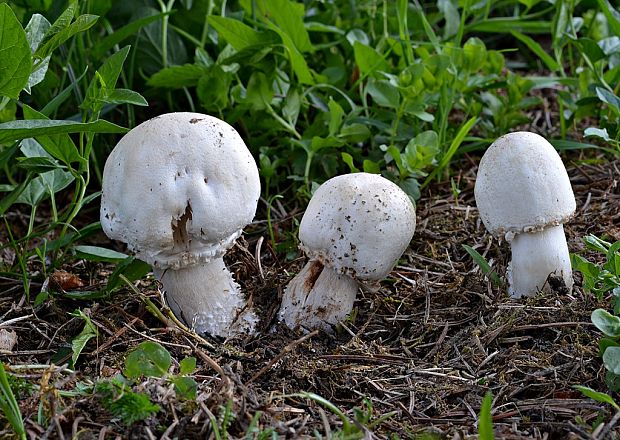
x,y
425,347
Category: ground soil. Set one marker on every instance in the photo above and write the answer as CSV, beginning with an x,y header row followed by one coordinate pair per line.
x,y
423,349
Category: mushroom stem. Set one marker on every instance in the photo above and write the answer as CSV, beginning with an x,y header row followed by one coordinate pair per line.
x,y
318,297
207,298
536,255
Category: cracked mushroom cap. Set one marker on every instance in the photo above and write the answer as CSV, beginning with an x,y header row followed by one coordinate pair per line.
x,y
522,185
359,224
178,189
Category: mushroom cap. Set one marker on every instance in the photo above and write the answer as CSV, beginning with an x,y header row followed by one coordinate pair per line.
x,y
358,224
522,185
178,189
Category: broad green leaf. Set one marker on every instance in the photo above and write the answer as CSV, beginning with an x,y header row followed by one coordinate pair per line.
x,y
125,96
149,48
22,129
451,14
485,420
371,167
124,32
348,159
613,16
62,22
607,323
37,164
590,48
336,115
177,77
82,23
605,343
297,60
288,16
531,44
187,365
213,88
238,34
383,93
185,387
597,132
292,106
609,98
596,395
96,253
88,332
368,60
259,91
148,359
35,31
59,146
131,268
15,54
104,82
611,359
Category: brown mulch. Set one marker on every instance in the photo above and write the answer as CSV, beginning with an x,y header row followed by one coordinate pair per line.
x,y
423,349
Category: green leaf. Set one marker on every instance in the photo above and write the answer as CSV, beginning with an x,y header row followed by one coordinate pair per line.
x,y
383,93
607,323
591,49
483,265
35,31
22,129
131,268
609,98
597,132
8,200
37,164
504,25
213,88
288,16
125,96
348,159
9,405
15,55
298,62
485,420
613,16
611,359
124,32
88,332
451,14
596,395
238,34
58,37
368,60
185,387
259,91
96,253
187,365
531,44
177,77
148,359
336,115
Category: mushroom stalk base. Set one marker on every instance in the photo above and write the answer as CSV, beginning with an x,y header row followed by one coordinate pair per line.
x,y
207,299
535,256
318,297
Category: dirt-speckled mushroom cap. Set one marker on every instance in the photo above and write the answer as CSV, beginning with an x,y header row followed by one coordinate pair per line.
x,y
178,189
522,185
359,224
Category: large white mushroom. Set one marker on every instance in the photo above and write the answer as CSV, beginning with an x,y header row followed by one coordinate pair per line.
x,y
356,227
523,194
178,189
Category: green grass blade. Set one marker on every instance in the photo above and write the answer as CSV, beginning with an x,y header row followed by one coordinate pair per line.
x,y
485,421
484,266
9,406
538,50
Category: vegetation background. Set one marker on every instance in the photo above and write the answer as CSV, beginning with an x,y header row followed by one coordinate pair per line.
x,y
410,89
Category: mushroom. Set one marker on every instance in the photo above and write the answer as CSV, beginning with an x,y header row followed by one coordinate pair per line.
x,y
178,189
355,228
523,194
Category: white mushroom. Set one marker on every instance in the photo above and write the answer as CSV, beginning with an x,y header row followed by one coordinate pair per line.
x,y
356,227
178,189
523,194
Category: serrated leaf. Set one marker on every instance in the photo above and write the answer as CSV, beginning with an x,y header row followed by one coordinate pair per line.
x,y
22,129
15,54
148,359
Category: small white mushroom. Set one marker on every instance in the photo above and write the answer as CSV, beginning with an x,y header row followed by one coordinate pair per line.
x,y
178,189
523,194
356,227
